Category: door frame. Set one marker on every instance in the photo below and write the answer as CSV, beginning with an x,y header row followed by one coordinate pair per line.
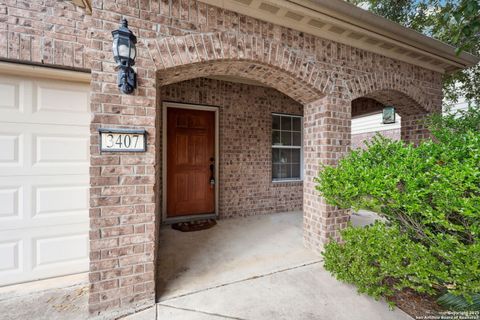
x,y
165,106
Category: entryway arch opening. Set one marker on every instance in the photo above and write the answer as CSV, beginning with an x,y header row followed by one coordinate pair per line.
x,y
408,123
246,185
250,82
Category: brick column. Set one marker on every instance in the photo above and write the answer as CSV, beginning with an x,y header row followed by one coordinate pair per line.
x,y
327,134
122,202
413,128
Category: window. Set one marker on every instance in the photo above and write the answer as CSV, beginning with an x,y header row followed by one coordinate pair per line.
x,y
286,147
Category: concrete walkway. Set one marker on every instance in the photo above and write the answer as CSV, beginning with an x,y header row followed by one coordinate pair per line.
x,y
253,268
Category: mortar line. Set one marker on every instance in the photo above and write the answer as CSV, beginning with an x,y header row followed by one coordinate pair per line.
x,y
203,312
242,280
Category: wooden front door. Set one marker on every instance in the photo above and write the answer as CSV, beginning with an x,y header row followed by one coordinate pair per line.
x,y
190,162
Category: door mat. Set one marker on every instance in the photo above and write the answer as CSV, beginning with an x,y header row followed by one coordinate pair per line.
x,y
197,225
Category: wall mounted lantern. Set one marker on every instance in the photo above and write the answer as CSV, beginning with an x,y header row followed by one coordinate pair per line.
x,y
124,52
388,115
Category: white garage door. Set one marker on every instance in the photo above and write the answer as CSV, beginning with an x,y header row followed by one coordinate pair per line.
x,y
44,160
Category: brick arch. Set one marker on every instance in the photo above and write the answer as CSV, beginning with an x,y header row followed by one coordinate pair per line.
x,y
267,61
404,105
412,103
406,96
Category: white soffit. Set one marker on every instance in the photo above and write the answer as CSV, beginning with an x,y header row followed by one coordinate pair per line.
x,y
345,23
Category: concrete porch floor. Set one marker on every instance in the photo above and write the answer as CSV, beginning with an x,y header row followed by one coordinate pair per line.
x,y
253,268
246,268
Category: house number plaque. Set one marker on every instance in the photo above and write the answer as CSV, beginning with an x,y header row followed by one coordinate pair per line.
x,y
123,140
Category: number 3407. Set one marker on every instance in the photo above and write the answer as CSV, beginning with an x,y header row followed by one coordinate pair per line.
x,y
122,141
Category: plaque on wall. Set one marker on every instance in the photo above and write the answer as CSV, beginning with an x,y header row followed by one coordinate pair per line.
x,y
123,140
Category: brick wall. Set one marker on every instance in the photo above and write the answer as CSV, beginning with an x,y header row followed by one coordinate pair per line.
x,y
359,139
245,112
45,32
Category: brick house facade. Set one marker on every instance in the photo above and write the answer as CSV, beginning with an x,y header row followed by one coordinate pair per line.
x,y
182,44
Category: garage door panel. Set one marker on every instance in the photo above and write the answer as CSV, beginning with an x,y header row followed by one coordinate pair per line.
x,y
10,148
44,101
11,202
43,253
61,98
12,91
32,149
52,150
65,249
61,199
44,178
40,201
10,256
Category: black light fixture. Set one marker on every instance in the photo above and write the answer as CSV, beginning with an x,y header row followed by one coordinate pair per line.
x,y
124,52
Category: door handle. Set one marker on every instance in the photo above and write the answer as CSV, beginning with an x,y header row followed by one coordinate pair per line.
x,y
212,172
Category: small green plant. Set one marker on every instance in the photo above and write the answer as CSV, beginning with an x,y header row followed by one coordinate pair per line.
x,y
459,303
430,198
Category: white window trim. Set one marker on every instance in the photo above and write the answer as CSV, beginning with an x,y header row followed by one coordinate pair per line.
x,y
287,147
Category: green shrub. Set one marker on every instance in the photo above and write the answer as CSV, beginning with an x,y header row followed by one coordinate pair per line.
x,y
430,189
378,258
430,197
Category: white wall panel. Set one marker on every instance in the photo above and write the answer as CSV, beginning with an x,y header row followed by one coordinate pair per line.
x,y
373,123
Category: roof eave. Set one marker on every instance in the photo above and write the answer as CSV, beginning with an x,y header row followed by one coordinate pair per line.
x,y
388,28
342,22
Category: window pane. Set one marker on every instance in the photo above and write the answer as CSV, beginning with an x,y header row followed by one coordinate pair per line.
x,y
295,170
287,123
276,138
286,171
275,171
276,122
285,156
297,138
286,138
280,171
296,124
296,155
276,155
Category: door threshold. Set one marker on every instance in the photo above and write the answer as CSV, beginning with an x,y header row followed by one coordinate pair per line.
x,y
190,218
